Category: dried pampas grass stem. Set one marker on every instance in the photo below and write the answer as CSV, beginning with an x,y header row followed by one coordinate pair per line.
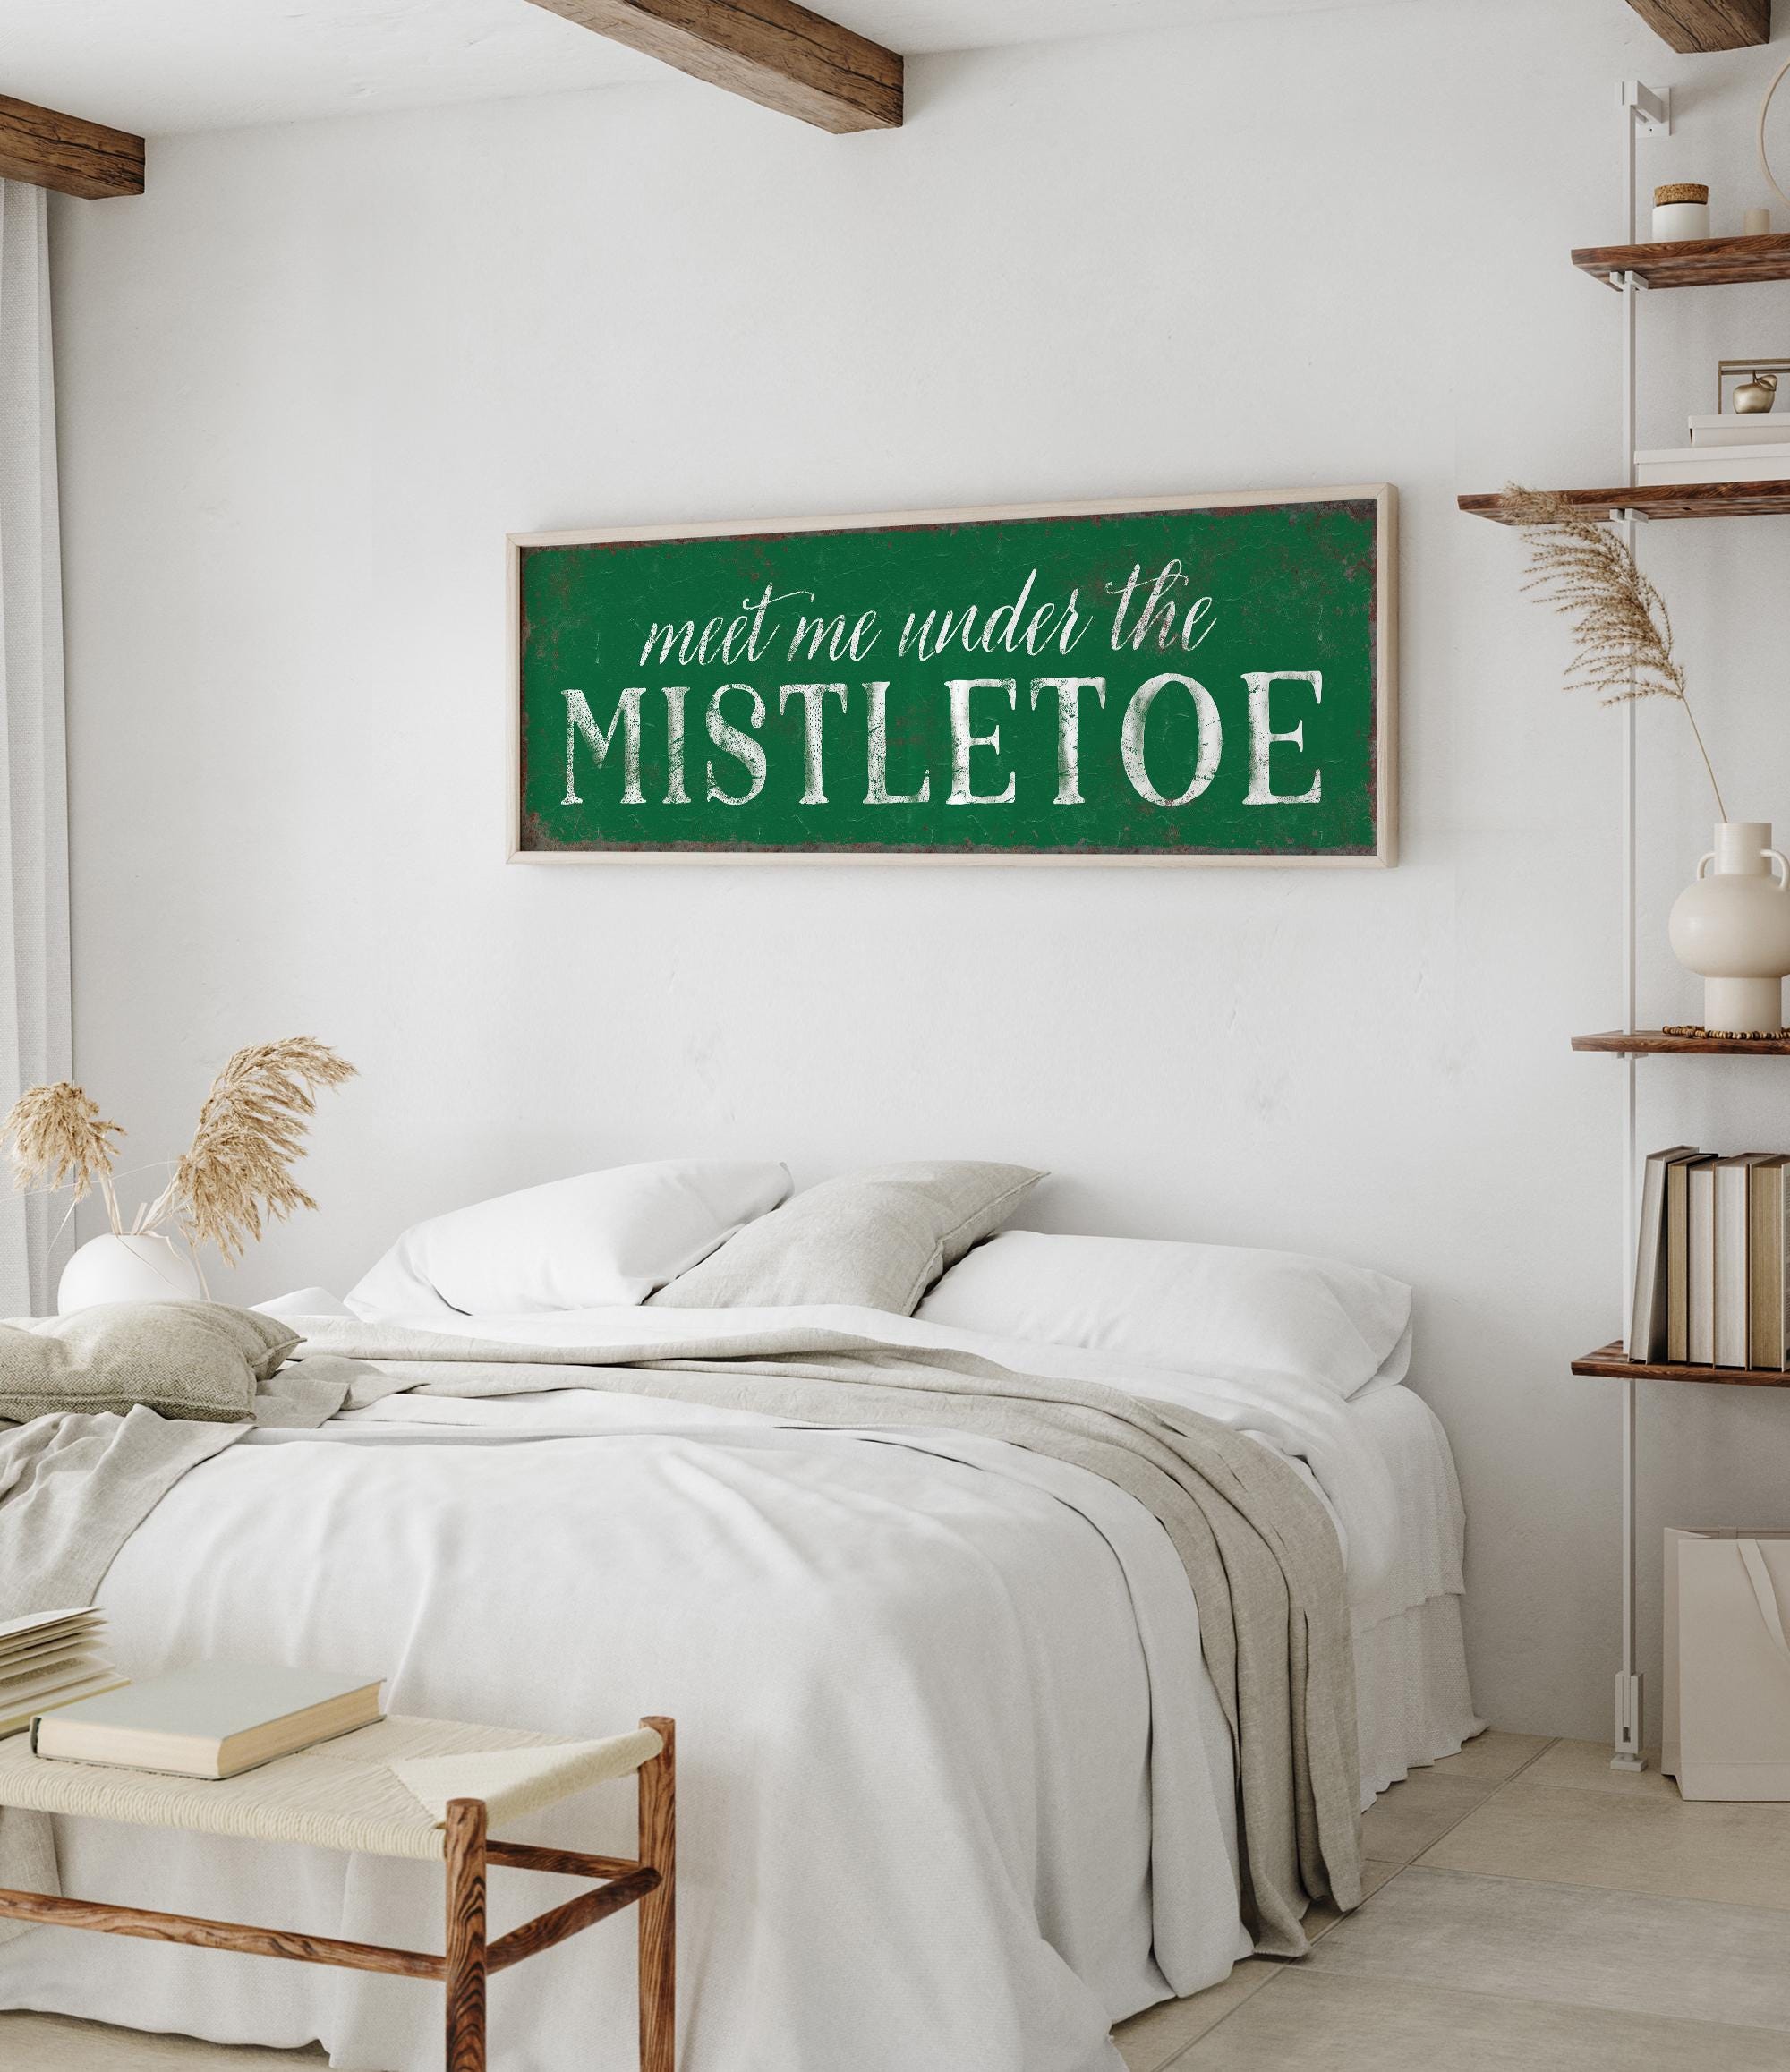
x,y
236,1174
1622,629
59,1138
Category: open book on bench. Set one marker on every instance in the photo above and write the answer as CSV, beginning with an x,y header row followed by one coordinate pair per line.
x,y
49,1659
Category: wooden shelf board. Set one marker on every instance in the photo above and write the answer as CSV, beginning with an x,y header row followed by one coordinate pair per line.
x,y
1643,1042
1661,501
1611,1363
1701,262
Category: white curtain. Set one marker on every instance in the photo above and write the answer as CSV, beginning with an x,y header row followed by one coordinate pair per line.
x,y
35,1042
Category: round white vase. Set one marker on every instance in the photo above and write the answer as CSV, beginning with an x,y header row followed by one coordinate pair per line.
x,y
115,1269
1731,925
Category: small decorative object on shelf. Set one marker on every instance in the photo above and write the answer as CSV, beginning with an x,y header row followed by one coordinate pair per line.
x,y
1695,1029
1733,929
233,1177
1757,392
1681,211
1758,223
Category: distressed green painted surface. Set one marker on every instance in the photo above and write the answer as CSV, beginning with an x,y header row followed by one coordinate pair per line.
x,y
1289,587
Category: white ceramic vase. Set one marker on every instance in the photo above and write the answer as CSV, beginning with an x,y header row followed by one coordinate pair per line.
x,y
1731,925
115,1269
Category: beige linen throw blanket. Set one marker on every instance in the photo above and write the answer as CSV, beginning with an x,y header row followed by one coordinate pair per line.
x,y
1260,1551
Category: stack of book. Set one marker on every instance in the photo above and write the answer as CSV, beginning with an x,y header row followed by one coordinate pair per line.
x,y
1731,448
49,1659
1712,1267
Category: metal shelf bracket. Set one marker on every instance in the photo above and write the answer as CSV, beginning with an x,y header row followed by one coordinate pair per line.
x,y
1651,107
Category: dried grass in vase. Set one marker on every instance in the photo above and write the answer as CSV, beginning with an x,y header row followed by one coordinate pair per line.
x,y
1622,630
233,1179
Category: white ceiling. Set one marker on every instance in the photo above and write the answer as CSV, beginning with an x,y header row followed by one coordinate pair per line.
x,y
154,66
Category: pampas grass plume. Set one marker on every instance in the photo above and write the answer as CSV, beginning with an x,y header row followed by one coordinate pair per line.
x,y
58,1137
1622,630
235,1176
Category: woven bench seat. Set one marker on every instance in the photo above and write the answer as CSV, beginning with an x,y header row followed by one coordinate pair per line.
x,y
382,1790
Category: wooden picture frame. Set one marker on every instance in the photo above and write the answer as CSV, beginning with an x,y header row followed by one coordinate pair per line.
x,y
1384,805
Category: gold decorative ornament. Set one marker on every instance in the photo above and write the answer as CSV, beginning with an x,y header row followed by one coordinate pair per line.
x,y
1756,384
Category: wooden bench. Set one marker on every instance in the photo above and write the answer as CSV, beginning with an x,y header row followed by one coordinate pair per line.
x,y
418,1789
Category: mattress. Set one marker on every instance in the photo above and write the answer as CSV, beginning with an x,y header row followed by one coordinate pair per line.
x,y
956,1785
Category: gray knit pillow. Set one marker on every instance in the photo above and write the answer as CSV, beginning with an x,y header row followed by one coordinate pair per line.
x,y
185,1359
877,1240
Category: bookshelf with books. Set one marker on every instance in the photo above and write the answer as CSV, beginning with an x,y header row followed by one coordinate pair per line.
x,y
1708,1218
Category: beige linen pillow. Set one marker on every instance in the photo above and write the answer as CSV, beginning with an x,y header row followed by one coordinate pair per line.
x,y
878,1240
185,1359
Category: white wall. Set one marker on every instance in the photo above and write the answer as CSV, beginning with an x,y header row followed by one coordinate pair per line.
x,y
313,377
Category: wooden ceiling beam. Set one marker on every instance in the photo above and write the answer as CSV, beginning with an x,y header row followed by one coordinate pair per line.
x,y
1691,25
773,52
48,149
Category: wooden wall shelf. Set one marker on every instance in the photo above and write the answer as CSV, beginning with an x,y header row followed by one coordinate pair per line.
x,y
1611,1363
1661,501
1646,1043
1701,262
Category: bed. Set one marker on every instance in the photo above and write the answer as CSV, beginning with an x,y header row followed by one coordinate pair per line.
x,y
956,1787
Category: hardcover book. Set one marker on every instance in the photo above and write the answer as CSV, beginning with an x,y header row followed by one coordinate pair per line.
x,y
1678,1258
1700,1265
1733,1175
1769,1248
215,1721
1648,1317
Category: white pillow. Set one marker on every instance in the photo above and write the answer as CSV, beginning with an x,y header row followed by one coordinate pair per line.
x,y
1192,1308
585,1243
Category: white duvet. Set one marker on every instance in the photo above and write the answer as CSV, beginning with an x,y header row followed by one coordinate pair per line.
x,y
955,1790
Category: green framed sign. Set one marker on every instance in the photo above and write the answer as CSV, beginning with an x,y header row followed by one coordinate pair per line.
x,y
1180,680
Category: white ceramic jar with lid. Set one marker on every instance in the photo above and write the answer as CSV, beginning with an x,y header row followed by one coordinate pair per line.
x,y
1680,210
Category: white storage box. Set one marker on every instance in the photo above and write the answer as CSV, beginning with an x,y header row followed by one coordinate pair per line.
x,y
1727,1663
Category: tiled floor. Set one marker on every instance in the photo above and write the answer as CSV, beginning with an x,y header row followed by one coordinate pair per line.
x,y
1529,1910
1532,1910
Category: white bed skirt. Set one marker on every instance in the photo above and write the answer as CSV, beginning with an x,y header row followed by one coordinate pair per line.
x,y
1411,1696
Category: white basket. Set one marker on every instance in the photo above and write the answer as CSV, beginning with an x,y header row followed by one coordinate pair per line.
x,y
1727,1663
